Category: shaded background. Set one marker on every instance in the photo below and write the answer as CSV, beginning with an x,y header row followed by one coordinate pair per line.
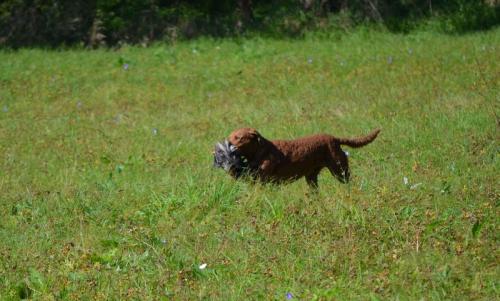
x,y
111,22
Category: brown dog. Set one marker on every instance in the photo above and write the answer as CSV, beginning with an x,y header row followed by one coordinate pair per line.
x,y
288,160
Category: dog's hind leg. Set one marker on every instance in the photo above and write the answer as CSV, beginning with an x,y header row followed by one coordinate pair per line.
x,y
338,164
312,179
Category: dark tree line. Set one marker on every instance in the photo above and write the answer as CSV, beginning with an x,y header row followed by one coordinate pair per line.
x,y
99,22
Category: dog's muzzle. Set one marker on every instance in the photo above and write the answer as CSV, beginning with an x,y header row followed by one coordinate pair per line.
x,y
227,157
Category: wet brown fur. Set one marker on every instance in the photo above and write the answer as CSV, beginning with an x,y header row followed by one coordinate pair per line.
x,y
289,160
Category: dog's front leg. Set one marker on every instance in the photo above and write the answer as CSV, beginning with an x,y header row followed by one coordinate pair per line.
x,y
266,169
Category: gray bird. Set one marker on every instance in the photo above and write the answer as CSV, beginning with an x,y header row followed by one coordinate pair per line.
x,y
227,157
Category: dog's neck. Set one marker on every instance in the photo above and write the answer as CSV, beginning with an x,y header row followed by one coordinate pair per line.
x,y
261,148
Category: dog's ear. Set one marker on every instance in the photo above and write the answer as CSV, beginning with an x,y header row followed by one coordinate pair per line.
x,y
254,134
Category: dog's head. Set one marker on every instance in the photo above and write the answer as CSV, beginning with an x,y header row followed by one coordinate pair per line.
x,y
246,140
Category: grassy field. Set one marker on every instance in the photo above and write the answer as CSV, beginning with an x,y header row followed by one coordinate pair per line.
x,y
107,190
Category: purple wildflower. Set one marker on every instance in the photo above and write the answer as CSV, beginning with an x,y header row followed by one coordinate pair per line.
x,y
289,296
125,66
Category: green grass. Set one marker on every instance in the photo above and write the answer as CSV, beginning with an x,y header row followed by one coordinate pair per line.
x,y
107,190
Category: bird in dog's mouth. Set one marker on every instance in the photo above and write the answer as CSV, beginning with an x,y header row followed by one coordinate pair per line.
x,y
227,157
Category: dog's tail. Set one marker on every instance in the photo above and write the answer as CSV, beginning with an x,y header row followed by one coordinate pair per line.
x,y
359,141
